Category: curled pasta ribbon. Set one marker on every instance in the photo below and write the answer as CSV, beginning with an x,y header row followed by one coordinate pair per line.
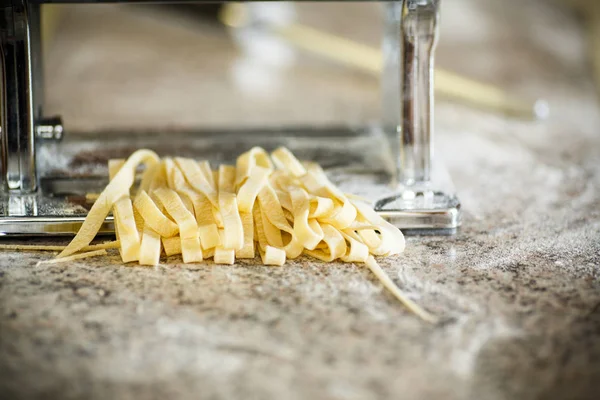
x,y
286,201
392,240
151,245
199,205
321,207
147,178
293,248
116,188
188,229
247,162
342,215
282,182
247,194
271,207
207,225
251,188
344,212
304,232
284,159
272,233
316,183
273,257
159,179
208,173
153,216
175,178
335,245
357,251
197,179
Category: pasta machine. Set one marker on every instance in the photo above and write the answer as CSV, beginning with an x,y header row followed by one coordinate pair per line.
x,y
46,171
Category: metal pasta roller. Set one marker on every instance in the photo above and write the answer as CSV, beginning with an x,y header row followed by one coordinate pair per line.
x,y
48,174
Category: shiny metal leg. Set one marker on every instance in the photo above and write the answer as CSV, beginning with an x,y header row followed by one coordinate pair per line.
x,y
409,46
22,96
419,36
18,47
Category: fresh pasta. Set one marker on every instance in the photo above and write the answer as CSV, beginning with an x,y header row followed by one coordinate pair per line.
x,y
273,206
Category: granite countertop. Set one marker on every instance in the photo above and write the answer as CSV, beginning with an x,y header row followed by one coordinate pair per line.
x,y
518,287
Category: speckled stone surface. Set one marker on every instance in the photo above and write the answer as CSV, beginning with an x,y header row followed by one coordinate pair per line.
x,y
518,288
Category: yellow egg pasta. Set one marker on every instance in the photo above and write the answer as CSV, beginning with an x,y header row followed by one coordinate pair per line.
x,y
272,206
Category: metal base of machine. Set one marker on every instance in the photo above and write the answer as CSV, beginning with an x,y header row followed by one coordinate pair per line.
x,y
422,212
357,160
48,214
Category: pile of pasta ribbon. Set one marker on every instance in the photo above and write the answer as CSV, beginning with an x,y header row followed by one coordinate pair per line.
x,y
273,205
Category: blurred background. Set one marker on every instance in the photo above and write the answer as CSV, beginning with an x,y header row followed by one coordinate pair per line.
x,y
179,66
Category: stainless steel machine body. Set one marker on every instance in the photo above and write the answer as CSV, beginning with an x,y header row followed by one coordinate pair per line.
x,y
46,195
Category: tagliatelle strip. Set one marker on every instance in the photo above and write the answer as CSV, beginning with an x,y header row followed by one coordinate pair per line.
x,y
147,177
172,202
273,256
259,229
248,192
116,188
271,208
37,247
357,252
223,255
272,233
197,204
285,160
255,157
196,178
208,174
181,206
392,240
233,237
172,245
188,228
128,232
153,217
293,249
334,242
247,251
74,257
342,216
306,234
114,166
150,247
391,286
321,207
